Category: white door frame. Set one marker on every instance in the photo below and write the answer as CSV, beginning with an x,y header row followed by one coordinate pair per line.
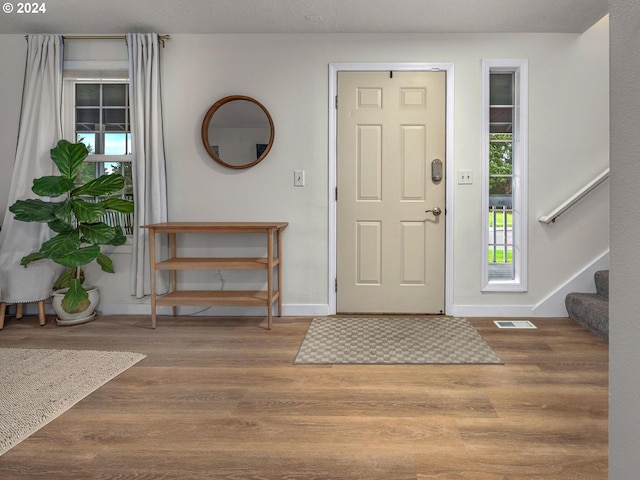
x,y
334,68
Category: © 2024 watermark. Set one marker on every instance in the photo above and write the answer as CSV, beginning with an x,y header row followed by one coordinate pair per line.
x,y
20,8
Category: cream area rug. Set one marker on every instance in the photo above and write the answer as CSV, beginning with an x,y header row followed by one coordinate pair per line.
x,y
384,341
36,385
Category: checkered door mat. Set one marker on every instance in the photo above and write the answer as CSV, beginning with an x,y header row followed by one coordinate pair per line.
x,y
368,340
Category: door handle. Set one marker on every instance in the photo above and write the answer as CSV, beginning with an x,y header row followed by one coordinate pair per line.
x,y
435,210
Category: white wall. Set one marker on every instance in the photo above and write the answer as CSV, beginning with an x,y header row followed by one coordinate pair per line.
x,y
289,75
624,303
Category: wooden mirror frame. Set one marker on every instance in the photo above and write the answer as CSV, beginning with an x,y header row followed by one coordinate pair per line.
x,y
207,121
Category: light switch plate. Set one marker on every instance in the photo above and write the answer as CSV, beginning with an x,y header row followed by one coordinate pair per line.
x,y
465,177
298,178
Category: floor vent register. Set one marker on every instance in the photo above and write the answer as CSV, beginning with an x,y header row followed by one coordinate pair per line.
x,y
514,324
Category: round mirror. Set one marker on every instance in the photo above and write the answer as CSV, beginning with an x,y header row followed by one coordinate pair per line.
x,y
237,131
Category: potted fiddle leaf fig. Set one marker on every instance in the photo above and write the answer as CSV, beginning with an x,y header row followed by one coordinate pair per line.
x,y
76,213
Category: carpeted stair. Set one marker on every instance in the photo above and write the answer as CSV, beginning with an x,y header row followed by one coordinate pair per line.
x,y
591,310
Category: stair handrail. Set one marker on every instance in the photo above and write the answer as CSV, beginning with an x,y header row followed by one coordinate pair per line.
x,y
575,198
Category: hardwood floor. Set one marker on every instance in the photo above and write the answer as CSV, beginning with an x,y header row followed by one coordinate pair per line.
x,y
219,398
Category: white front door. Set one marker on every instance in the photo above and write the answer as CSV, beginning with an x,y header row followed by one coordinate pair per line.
x,y
391,239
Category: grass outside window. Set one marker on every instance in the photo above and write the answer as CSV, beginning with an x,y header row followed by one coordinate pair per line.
x,y
500,255
500,219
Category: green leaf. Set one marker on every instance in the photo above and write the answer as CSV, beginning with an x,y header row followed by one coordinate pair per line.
x,y
64,213
61,245
106,263
32,257
52,186
119,205
76,299
88,212
34,210
97,233
64,281
68,157
101,186
80,257
119,239
59,226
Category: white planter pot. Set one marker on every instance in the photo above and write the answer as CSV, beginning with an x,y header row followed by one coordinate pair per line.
x,y
85,316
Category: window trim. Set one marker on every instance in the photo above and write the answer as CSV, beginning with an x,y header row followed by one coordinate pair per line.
x,y
519,67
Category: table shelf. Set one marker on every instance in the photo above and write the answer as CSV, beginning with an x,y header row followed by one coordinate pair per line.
x,y
229,298
202,263
272,263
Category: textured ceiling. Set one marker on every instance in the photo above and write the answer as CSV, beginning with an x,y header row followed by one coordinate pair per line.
x,y
290,16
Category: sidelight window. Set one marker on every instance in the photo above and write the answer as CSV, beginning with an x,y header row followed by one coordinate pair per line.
x,y
504,175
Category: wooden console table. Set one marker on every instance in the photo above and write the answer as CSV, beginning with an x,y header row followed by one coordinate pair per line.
x,y
176,297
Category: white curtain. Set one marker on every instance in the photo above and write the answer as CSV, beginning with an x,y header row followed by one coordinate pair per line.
x,y
39,131
150,192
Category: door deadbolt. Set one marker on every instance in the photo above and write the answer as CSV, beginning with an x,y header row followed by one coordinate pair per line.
x,y
436,211
436,171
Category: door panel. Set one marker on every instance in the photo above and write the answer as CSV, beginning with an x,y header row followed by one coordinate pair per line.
x,y
369,158
413,162
413,260
369,253
390,251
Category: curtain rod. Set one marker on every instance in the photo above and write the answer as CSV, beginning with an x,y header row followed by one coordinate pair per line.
x,y
162,38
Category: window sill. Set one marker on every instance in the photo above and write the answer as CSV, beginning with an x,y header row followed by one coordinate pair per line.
x,y
125,248
504,286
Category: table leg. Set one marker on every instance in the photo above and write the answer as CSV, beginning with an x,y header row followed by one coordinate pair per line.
x,y
279,233
173,245
152,260
270,234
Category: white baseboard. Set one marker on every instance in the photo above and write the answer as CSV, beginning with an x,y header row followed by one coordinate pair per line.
x,y
553,304
513,311
320,310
